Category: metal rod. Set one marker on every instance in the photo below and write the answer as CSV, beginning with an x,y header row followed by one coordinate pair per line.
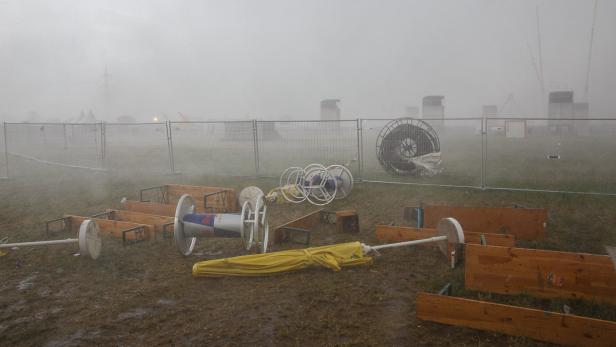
x,y
592,35
547,118
170,146
103,144
446,290
6,152
483,153
409,243
359,150
443,119
57,164
422,184
38,243
64,134
533,190
255,144
167,134
138,230
106,213
141,191
172,149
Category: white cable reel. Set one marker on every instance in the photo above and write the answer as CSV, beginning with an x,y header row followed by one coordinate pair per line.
x,y
291,185
344,180
320,186
251,225
316,183
255,230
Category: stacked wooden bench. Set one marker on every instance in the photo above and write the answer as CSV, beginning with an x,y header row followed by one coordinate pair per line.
x,y
153,214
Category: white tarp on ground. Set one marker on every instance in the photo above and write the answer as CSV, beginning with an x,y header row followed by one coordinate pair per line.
x,y
428,164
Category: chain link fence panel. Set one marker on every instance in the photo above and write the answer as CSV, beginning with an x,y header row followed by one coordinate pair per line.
x,y
572,155
65,144
4,160
282,144
460,146
219,148
136,147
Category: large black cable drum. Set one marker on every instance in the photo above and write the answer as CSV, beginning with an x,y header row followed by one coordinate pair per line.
x,y
402,141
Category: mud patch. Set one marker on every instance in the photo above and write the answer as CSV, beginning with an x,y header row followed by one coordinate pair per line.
x,y
75,339
26,283
136,313
166,302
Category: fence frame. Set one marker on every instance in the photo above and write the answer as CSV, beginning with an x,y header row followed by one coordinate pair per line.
x,y
483,185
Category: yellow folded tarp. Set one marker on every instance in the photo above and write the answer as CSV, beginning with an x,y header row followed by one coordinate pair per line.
x,y
332,257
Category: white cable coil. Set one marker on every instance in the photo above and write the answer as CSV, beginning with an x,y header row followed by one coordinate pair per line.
x,y
316,183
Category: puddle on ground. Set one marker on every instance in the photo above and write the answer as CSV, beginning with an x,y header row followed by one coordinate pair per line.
x,y
136,313
166,302
26,283
73,339
43,292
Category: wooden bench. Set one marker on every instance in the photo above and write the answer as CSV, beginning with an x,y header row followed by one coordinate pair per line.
x,y
566,329
540,273
388,233
523,223
207,199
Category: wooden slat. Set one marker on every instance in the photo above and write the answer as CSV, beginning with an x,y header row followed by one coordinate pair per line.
x,y
524,223
306,222
144,218
518,321
387,233
113,227
175,191
504,240
540,273
150,208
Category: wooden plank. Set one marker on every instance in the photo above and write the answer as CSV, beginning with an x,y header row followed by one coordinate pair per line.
x,y
387,233
524,223
503,240
112,227
305,222
175,191
518,321
150,208
144,218
540,273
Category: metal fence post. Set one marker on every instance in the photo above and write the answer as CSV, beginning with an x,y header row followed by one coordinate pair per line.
x,y
484,151
6,152
255,144
169,131
64,134
360,143
103,144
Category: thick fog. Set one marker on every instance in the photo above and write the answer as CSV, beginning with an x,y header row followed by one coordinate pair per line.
x,y
278,59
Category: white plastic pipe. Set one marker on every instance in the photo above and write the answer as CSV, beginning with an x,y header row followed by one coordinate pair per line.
x,y
38,243
405,243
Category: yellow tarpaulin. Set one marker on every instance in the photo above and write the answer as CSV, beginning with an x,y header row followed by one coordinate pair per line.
x,y
332,257
276,195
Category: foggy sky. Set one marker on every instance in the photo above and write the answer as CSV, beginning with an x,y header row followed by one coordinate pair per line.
x,y
276,59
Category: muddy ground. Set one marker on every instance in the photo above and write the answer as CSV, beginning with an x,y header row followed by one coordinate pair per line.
x,y
144,294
